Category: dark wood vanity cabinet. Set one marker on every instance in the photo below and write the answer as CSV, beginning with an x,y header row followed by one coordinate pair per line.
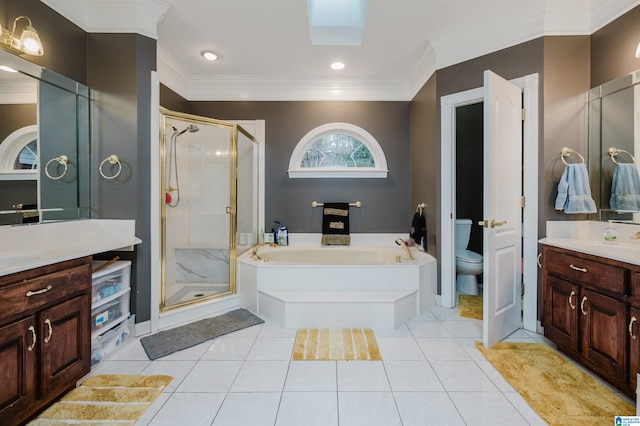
x,y
585,312
45,336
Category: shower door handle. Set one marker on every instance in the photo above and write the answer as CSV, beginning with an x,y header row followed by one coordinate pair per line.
x,y
228,209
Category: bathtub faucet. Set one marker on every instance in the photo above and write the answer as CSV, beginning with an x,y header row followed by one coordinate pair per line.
x,y
400,242
254,250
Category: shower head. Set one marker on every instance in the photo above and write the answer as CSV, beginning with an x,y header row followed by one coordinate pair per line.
x,y
192,128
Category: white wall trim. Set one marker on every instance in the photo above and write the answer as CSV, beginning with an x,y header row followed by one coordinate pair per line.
x,y
380,160
448,105
529,85
155,203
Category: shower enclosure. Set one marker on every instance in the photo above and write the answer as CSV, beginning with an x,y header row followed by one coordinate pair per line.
x,y
209,206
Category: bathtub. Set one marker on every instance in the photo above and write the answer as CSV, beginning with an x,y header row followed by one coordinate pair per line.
x,y
370,283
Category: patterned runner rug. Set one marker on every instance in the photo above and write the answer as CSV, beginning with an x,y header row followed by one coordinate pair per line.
x,y
336,344
108,399
559,391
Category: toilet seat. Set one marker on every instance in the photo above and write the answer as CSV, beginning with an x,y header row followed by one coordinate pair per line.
x,y
468,256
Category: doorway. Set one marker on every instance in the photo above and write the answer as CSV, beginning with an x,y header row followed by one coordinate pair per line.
x,y
449,104
469,174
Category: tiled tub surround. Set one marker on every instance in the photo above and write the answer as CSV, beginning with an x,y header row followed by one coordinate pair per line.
x,y
358,293
32,246
586,237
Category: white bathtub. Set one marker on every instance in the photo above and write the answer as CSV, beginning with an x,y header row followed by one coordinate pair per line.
x,y
361,285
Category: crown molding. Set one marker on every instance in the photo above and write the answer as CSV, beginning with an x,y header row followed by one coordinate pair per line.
x,y
113,16
571,17
423,69
508,30
76,11
23,92
293,88
171,73
604,12
281,88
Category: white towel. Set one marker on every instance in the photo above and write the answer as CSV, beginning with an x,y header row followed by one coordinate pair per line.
x,y
625,188
574,192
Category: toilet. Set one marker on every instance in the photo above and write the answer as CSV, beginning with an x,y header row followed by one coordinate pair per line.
x,y
468,263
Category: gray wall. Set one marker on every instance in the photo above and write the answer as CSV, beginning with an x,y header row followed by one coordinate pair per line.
x,y
425,158
119,75
613,48
385,202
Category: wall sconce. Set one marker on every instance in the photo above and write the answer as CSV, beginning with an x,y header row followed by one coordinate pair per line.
x,y
27,42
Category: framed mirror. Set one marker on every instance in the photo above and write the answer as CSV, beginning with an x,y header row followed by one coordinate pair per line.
x,y
614,142
44,144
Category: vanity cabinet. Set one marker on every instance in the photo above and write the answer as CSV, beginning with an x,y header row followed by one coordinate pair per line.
x,y
585,310
44,336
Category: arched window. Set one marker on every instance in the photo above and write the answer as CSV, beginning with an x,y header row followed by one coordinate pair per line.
x,y
19,154
338,150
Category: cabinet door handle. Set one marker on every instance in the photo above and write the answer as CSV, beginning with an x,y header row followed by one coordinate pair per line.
x,y
633,319
48,323
44,290
32,329
577,268
538,260
584,299
573,293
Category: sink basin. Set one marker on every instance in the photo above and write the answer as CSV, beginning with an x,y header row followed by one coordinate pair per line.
x,y
16,259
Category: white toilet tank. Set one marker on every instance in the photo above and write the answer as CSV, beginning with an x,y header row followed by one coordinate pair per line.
x,y
463,232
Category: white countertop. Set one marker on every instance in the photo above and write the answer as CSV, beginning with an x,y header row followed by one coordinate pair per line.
x,y
586,237
32,246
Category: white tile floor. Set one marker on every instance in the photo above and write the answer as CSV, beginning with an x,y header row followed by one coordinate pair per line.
x,y
431,374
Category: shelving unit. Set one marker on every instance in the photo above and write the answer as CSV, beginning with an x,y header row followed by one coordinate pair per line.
x,y
111,322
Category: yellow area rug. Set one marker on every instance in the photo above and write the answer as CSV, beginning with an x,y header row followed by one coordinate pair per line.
x,y
558,390
336,344
105,400
470,306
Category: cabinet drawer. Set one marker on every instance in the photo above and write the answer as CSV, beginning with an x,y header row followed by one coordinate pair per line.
x,y
28,295
596,274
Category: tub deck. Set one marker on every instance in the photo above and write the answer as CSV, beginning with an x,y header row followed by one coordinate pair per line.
x,y
296,295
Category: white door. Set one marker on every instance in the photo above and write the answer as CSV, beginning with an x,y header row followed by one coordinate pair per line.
x,y
502,249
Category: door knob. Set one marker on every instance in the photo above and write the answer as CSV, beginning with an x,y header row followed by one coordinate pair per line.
x,y
491,223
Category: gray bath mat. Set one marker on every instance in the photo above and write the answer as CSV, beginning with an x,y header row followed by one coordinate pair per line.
x,y
167,342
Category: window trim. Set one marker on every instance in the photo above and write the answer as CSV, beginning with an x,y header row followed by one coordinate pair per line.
x,y
379,171
11,147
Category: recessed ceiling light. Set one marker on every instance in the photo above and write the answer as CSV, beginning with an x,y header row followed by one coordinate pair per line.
x,y
209,55
337,65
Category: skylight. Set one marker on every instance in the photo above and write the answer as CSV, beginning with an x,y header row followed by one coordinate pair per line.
x,y
337,22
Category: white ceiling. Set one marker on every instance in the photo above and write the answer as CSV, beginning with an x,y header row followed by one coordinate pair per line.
x,y
266,51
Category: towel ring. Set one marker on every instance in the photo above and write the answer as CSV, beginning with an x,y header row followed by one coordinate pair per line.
x,y
63,159
567,152
112,159
615,151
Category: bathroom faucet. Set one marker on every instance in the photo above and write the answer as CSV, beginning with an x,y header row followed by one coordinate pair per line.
x,y
401,242
254,250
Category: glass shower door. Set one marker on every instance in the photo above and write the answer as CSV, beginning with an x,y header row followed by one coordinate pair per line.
x,y
197,218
